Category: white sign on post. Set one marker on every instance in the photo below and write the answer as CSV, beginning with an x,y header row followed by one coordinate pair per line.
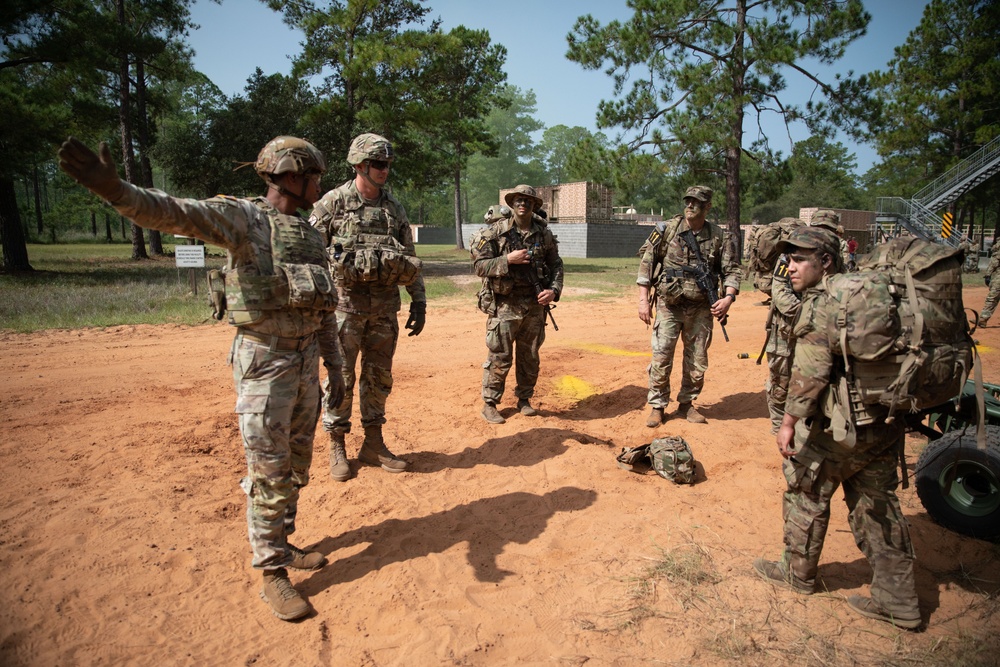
x,y
190,256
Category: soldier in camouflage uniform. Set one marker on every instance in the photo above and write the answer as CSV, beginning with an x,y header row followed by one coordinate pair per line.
x,y
682,308
784,307
815,463
518,259
281,298
371,249
990,279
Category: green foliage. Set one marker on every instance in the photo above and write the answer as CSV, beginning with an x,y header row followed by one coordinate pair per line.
x,y
511,122
686,72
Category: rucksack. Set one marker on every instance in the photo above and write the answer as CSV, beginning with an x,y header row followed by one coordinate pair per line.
x,y
900,326
763,252
670,457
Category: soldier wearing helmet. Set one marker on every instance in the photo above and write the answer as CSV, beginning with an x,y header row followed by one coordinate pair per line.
x,y
518,259
282,301
371,249
683,309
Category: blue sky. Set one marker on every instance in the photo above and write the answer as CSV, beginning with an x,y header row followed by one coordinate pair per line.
x,y
240,35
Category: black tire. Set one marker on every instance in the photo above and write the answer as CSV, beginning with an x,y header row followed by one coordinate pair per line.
x,y
959,484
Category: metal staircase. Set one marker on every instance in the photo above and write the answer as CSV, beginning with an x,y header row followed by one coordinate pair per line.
x,y
917,215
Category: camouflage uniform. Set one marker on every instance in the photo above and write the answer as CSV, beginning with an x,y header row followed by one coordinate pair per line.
x,y
516,319
994,294
682,310
367,310
784,307
821,464
275,358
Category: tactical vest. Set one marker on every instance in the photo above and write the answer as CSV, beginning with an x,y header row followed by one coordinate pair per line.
x,y
293,275
367,250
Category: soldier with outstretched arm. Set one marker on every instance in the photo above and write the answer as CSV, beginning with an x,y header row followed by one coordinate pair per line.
x,y
281,299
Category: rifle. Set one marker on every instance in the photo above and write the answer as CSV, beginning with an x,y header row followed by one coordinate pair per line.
x,y
532,269
705,279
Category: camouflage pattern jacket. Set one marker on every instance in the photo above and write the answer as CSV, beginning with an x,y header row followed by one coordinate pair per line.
x,y
489,260
337,214
243,228
717,250
812,361
785,303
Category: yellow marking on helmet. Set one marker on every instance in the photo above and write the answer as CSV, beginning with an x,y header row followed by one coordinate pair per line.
x,y
608,350
575,388
984,349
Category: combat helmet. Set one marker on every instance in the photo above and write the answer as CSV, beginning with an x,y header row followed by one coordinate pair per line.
x,y
369,146
289,154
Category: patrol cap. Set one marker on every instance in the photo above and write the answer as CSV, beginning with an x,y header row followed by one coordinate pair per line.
x,y
699,192
815,238
523,191
826,219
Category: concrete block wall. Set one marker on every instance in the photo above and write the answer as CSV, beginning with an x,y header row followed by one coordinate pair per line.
x,y
588,240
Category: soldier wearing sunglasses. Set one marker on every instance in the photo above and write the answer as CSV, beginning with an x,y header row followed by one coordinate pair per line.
x,y
371,253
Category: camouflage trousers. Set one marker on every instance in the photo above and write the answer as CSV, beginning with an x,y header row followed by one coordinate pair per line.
x,y
779,372
373,337
691,323
518,328
991,298
277,400
868,473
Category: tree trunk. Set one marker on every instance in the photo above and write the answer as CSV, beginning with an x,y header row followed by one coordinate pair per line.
x,y
734,150
121,219
146,168
93,224
38,202
15,250
125,125
107,227
459,242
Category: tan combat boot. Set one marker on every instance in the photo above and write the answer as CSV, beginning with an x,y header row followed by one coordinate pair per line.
x,y
340,471
285,601
524,407
491,414
691,413
305,560
655,418
375,453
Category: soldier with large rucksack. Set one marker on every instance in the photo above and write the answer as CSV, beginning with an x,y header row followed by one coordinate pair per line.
x,y
890,339
763,250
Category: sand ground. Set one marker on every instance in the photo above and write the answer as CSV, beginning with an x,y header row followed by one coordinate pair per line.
x,y
123,538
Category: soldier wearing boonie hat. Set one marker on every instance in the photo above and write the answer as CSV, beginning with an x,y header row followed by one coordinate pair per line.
x,y
816,463
683,311
517,257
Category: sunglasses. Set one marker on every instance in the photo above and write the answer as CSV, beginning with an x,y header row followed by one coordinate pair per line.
x,y
380,165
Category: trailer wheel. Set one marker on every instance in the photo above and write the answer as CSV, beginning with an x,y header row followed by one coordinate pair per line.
x,y
959,484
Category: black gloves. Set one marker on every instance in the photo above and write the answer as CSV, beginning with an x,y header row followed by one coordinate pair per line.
x,y
418,315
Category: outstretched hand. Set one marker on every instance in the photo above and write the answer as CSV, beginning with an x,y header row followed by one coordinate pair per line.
x,y
97,173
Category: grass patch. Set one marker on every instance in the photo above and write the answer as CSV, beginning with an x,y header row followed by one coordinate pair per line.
x,y
678,573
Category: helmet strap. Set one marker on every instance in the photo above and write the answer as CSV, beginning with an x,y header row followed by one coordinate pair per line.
x,y
364,174
300,198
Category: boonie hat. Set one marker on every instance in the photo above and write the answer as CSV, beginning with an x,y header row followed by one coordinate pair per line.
x,y
523,191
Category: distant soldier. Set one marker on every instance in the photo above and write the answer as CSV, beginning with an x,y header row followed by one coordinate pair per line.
x,y
518,259
990,278
371,248
684,311
281,298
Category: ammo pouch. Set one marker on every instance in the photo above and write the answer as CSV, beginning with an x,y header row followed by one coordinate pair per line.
x,y
217,293
378,259
309,286
486,302
670,289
